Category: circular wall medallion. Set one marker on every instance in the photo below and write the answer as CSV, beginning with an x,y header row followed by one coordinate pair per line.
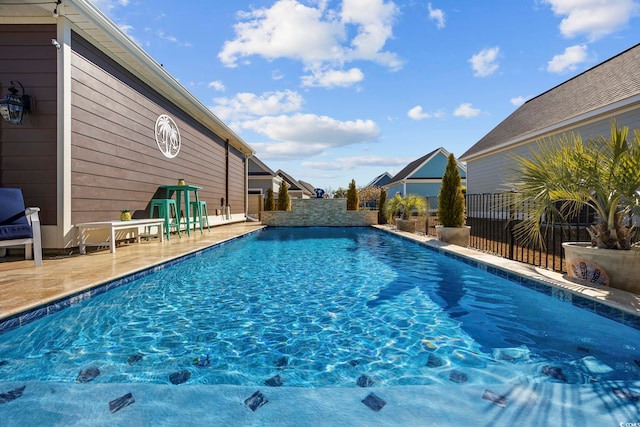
x,y
167,136
588,271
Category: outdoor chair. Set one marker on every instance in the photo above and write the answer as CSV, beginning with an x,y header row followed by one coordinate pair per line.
x,y
20,226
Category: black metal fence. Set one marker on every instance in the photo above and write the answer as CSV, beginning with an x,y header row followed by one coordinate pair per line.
x,y
492,222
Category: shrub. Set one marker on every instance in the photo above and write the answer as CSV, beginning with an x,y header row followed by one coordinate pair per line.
x,y
382,219
352,197
284,203
269,202
451,203
405,207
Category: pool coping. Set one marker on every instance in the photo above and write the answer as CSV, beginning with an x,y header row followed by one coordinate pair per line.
x,y
64,300
615,304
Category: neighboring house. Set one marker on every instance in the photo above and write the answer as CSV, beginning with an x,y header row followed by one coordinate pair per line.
x,y
261,178
584,104
423,176
111,124
308,187
380,180
296,190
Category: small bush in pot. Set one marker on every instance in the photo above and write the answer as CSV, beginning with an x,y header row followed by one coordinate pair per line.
x,y
451,203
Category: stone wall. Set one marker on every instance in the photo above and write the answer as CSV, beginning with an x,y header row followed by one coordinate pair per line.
x,y
319,212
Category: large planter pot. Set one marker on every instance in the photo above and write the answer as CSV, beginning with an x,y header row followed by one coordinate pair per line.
x,y
408,225
608,267
454,235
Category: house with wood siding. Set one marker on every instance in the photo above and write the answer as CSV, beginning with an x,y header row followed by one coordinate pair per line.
x,y
92,146
380,180
423,176
584,104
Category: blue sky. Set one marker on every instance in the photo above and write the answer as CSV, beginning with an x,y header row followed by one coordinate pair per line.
x,y
331,91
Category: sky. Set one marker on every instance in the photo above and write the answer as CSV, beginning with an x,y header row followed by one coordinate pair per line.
x,y
332,91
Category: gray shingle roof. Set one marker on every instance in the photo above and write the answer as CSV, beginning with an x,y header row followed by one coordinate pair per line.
x,y
411,168
611,81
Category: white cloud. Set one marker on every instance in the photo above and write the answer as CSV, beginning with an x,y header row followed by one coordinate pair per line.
x,y
349,163
518,100
172,39
248,105
569,60
319,37
333,78
466,110
107,5
436,15
217,85
484,63
301,135
593,18
416,113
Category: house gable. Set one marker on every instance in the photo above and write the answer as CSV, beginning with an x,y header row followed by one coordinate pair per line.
x,y
584,104
611,85
423,176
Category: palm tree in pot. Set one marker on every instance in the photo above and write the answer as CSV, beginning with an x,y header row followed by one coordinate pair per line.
x,y
401,210
562,177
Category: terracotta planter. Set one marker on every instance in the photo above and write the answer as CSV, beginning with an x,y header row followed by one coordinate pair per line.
x,y
609,267
408,225
454,235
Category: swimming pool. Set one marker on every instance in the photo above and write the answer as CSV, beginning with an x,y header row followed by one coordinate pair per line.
x,y
322,307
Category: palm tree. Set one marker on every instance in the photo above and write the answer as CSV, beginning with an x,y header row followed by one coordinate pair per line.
x,y
564,175
404,207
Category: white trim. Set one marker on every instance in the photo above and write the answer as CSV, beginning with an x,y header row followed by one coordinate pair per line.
x,y
63,215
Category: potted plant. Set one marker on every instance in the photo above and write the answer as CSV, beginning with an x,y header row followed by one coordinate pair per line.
x,y
563,176
451,207
402,210
125,215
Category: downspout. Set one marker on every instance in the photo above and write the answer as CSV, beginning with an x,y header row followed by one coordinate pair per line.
x,y
227,208
246,185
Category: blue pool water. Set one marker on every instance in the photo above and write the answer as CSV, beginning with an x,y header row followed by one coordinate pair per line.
x,y
322,307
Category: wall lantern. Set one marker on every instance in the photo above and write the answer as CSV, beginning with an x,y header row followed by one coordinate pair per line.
x,y
14,107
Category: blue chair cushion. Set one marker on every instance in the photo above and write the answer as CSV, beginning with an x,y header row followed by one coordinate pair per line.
x,y
13,221
11,232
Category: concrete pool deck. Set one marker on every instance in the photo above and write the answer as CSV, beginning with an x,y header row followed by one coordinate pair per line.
x,y
23,287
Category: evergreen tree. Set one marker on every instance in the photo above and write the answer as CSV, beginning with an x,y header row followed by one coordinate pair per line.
x,y
352,197
269,202
283,197
382,219
451,203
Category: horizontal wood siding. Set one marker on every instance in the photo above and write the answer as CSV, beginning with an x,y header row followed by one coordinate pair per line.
x,y
493,173
237,182
28,152
116,163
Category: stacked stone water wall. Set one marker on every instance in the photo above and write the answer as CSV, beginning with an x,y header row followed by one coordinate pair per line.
x,y
319,213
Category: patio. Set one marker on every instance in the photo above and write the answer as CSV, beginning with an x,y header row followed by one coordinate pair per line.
x,y
23,287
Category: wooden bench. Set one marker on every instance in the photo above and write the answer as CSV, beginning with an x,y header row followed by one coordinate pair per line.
x,y
113,226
